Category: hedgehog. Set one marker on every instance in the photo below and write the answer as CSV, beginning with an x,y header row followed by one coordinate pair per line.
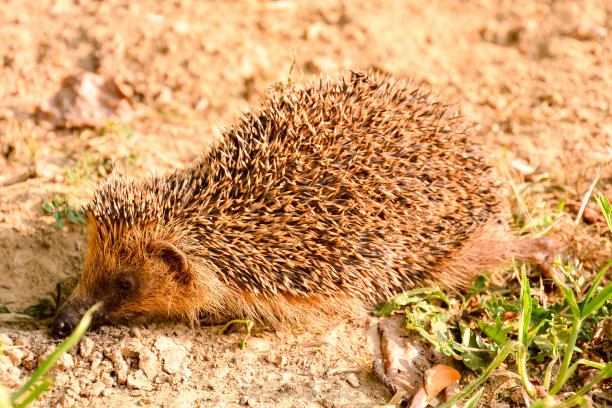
x,y
328,198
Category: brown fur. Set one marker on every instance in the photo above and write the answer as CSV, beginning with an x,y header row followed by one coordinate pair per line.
x,y
331,197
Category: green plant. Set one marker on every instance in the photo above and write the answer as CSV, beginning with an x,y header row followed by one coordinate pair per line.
x,y
60,209
249,325
38,383
483,334
124,132
89,168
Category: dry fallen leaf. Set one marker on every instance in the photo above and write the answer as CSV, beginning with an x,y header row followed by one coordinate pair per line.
x,y
438,378
420,399
85,100
406,358
435,380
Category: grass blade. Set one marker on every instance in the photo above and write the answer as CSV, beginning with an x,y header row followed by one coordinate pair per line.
x,y
606,209
501,356
597,302
471,403
78,332
39,389
595,283
569,296
605,373
525,312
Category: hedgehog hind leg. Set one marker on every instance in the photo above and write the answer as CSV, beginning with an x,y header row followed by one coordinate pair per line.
x,y
539,252
490,247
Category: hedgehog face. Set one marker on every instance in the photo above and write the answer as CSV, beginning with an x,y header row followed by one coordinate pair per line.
x,y
132,276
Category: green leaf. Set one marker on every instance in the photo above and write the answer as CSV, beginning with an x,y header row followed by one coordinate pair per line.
x,y
475,361
79,217
497,331
480,283
598,301
544,344
59,223
525,311
595,282
606,209
410,297
41,309
386,309
466,333
71,217
47,207
569,297
416,295
4,309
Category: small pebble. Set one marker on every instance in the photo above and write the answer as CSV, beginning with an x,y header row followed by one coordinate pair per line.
x,y
5,340
138,380
65,362
67,401
96,389
15,355
135,332
244,400
86,347
22,341
149,364
119,364
352,380
130,347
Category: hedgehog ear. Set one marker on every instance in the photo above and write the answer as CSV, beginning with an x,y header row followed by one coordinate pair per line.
x,y
173,257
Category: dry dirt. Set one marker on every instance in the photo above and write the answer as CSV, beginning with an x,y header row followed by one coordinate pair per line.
x,y
535,75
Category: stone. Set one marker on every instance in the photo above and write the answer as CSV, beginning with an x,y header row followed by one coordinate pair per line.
x,y
138,380
171,354
15,355
130,347
149,364
353,380
65,362
86,347
119,364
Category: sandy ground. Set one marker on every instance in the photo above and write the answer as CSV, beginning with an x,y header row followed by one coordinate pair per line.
x,y
535,76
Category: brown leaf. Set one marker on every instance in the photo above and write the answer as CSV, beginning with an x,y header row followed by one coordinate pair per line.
x,y
405,356
437,378
85,100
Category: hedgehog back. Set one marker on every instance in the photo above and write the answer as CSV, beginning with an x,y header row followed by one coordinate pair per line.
x,y
362,185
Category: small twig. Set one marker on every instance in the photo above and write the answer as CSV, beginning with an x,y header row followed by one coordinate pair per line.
x,y
381,376
353,359
313,344
585,199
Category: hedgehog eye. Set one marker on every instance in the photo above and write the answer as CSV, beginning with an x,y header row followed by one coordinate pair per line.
x,y
126,282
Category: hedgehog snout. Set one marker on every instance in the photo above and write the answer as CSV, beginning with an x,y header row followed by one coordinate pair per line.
x,y
70,315
64,324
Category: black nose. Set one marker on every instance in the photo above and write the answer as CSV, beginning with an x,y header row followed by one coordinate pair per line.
x,y
62,327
